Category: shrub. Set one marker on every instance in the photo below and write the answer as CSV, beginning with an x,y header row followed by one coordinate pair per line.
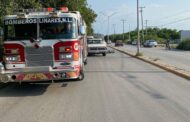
x,y
184,45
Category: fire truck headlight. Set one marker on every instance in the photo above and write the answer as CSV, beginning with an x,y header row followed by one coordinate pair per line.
x,y
12,58
68,56
65,56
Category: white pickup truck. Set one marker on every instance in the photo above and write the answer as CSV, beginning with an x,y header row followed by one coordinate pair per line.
x,y
97,46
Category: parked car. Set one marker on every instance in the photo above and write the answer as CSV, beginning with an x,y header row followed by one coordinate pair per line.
x,y
150,43
119,43
97,46
134,43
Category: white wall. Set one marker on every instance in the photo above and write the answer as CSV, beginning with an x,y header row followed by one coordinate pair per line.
x,y
185,34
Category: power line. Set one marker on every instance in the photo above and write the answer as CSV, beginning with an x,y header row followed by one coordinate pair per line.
x,y
174,15
187,18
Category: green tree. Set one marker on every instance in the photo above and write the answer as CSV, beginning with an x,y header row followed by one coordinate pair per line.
x,y
160,35
75,5
9,6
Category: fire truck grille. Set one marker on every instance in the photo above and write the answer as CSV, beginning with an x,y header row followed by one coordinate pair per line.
x,y
42,56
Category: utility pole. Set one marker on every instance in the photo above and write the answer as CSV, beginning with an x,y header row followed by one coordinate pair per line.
x,y
141,11
123,29
146,22
114,32
138,42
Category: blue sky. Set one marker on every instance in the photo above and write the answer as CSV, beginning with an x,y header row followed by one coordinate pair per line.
x,y
173,14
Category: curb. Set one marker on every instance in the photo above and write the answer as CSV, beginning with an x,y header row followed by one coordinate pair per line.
x,y
174,70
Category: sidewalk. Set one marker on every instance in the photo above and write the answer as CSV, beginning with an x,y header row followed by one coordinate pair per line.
x,y
155,61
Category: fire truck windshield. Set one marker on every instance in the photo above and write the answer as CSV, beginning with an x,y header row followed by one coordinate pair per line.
x,y
66,30
20,31
48,29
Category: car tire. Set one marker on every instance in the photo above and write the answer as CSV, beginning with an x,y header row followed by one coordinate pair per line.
x,y
85,62
104,54
89,54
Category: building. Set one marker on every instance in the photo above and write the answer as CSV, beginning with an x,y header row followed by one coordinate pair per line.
x,y
185,34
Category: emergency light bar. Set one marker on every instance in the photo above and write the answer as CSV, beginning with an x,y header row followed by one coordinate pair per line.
x,y
62,9
21,15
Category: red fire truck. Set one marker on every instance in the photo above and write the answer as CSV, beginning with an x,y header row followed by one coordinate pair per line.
x,y
41,45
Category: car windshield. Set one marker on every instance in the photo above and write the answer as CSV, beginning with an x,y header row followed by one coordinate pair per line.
x,y
94,41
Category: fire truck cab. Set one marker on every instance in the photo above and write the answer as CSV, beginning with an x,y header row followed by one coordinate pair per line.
x,y
41,45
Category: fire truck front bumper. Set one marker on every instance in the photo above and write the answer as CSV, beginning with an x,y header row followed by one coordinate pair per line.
x,y
38,74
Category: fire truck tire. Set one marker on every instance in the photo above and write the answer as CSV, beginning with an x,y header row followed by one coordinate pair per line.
x,y
104,54
81,76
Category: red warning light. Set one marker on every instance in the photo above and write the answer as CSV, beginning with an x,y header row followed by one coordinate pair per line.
x,y
64,9
50,9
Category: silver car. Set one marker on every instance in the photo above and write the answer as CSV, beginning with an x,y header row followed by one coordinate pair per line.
x,y
150,43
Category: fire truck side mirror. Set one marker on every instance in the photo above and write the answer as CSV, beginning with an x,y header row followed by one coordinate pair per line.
x,y
1,67
82,30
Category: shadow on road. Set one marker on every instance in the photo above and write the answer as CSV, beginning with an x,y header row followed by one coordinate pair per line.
x,y
95,55
27,89
145,88
122,71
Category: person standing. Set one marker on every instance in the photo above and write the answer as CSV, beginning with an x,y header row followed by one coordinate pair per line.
x,y
168,44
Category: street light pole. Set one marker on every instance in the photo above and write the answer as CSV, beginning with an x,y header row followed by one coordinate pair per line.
x,y
108,21
108,28
114,32
141,10
138,41
123,29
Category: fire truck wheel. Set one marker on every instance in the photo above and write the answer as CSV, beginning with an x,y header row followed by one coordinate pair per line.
x,y
81,76
104,54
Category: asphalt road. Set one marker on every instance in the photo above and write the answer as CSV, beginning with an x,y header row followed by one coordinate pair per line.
x,y
116,88
177,58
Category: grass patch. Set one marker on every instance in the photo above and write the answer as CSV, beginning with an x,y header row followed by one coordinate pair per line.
x,y
139,54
